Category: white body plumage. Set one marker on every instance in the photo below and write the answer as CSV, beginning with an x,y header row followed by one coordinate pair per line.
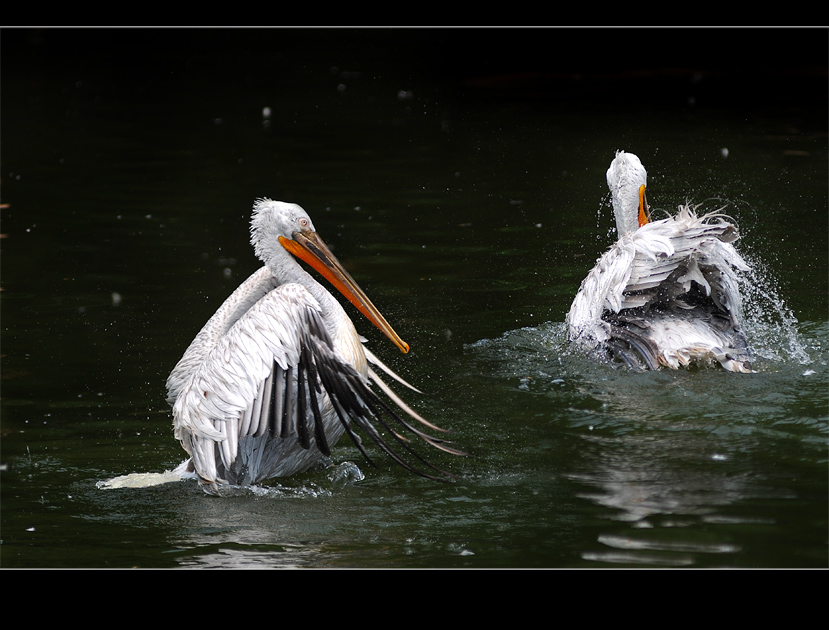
x,y
667,292
279,373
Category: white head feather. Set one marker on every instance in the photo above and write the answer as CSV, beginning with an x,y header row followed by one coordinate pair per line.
x,y
624,177
272,219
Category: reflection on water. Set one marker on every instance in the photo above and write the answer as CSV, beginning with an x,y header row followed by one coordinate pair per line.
x,y
666,454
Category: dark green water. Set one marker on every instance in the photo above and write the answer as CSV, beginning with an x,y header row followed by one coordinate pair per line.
x,y
463,186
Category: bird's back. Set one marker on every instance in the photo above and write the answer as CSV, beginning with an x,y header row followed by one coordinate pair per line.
x,y
666,294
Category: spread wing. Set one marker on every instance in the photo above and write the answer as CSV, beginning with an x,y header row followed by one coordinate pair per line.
x,y
267,393
659,262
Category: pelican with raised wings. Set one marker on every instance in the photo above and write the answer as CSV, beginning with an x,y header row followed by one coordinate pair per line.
x,y
279,373
667,292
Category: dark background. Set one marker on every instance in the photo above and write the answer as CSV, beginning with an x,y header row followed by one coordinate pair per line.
x,y
738,66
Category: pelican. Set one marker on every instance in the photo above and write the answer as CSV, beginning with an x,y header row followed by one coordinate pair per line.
x,y
667,292
279,373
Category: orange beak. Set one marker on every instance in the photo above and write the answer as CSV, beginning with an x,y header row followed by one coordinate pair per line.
x,y
644,208
308,246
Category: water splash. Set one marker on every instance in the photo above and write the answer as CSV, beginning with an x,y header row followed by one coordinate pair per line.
x,y
147,480
138,480
771,327
340,476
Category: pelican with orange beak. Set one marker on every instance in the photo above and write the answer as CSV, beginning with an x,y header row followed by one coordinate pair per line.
x,y
667,292
279,373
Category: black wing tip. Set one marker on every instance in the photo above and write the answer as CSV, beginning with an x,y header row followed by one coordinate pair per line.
x,y
355,402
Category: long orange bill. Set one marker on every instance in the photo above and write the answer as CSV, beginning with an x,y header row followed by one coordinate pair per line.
x,y
308,246
644,208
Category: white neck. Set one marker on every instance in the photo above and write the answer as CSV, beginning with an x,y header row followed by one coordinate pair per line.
x,y
285,268
626,211
624,178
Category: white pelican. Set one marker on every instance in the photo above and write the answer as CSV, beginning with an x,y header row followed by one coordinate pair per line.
x,y
666,293
279,373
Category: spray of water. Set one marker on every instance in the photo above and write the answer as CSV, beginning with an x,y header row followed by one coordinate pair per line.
x,y
770,325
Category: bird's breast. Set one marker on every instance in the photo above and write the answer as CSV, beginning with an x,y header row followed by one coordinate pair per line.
x,y
347,343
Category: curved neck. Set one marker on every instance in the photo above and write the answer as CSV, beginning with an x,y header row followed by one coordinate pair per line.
x,y
626,211
285,268
625,177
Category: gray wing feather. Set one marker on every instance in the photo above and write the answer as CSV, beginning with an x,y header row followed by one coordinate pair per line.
x,y
270,389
